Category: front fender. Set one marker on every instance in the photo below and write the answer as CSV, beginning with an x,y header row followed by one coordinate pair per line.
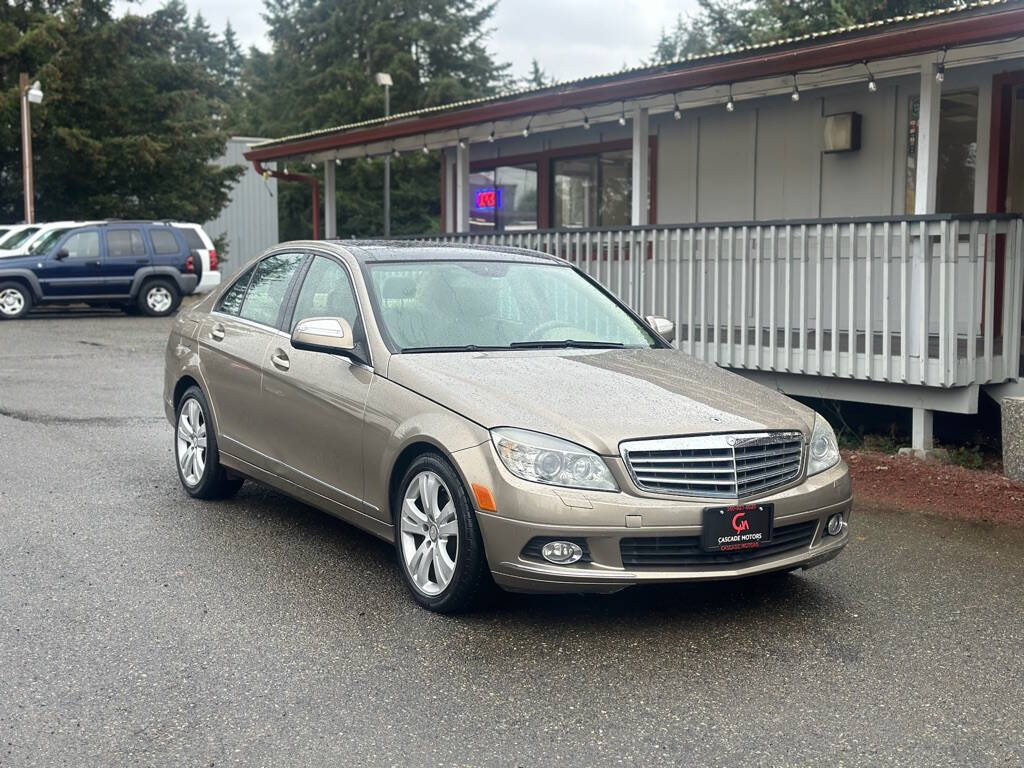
x,y
26,275
397,418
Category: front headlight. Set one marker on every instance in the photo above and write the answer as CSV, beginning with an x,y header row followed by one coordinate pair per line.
x,y
824,450
545,459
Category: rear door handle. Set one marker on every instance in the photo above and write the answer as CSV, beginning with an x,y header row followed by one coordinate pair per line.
x,y
280,360
217,332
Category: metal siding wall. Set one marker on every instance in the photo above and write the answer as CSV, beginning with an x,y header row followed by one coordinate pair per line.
x,y
726,166
250,217
861,183
677,167
789,143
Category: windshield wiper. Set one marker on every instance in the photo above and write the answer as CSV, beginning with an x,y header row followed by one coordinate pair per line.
x,y
565,344
454,348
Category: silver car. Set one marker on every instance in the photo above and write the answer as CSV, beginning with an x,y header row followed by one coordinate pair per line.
x,y
501,418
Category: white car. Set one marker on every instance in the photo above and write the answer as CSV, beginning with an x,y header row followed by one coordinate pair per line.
x,y
197,240
14,236
31,237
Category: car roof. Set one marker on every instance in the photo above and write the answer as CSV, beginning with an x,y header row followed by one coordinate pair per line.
x,y
374,251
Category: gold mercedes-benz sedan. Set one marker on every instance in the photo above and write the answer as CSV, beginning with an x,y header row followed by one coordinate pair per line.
x,y
501,418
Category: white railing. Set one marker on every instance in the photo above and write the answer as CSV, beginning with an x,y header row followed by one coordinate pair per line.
x,y
932,300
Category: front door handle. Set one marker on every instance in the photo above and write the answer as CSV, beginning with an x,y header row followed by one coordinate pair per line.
x,y
92,263
280,360
217,332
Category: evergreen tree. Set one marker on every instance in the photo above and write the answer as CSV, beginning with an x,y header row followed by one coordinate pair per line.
x,y
320,71
537,78
132,116
723,24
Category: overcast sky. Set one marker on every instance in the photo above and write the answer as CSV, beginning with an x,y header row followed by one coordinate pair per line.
x,y
570,38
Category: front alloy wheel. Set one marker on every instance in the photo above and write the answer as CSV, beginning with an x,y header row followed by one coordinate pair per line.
x,y
440,550
430,533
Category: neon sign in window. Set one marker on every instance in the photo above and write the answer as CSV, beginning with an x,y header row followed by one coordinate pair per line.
x,y
487,199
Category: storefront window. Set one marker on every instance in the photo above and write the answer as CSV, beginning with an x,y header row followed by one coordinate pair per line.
x,y
958,147
593,190
503,199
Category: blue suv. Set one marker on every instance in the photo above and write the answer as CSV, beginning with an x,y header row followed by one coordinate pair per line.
x,y
142,266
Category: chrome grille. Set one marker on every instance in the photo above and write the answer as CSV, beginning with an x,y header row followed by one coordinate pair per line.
x,y
720,466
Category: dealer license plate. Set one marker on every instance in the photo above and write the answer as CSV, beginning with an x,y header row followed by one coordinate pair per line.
x,y
730,529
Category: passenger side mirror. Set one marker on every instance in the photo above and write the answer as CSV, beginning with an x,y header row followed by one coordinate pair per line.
x,y
332,335
62,254
665,327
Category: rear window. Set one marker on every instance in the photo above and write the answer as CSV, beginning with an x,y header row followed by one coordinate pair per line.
x,y
192,239
163,241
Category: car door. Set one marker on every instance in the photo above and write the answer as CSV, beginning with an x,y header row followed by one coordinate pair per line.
x,y
232,341
313,402
73,269
126,253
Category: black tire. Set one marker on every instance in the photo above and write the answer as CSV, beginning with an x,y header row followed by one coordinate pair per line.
x,y
158,297
213,481
471,583
15,300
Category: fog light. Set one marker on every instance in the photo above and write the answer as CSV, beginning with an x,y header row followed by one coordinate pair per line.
x,y
836,524
561,552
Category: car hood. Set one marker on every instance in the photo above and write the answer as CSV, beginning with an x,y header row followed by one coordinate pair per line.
x,y
598,398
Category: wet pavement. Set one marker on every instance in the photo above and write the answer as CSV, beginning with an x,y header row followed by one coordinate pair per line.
x,y
140,627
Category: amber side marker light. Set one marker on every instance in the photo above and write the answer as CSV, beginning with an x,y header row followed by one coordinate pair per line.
x,y
484,499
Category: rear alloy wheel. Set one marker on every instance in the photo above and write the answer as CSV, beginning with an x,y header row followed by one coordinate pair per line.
x,y
440,550
15,301
195,451
159,298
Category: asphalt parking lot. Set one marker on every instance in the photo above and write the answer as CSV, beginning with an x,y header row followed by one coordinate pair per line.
x,y
139,627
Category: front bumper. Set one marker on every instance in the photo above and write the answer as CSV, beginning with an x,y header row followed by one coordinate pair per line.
x,y
604,520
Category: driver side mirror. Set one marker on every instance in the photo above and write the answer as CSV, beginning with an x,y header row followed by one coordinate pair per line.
x,y
332,335
665,327
62,254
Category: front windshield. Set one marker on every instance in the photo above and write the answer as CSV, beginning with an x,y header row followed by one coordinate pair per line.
x,y
496,305
44,242
15,239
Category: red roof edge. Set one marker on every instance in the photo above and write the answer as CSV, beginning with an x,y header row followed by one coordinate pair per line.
x,y
1002,24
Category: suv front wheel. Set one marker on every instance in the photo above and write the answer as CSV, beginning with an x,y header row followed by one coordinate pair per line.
x,y
15,301
159,297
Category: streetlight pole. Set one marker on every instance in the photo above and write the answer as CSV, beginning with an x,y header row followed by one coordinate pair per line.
x,y
383,78
29,94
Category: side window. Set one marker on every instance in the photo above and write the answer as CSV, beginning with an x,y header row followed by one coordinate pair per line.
x,y
83,245
268,287
164,241
231,301
123,243
326,292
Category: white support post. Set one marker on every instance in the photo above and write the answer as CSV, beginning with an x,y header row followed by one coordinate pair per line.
x,y
330,201
462,188
925,187
641,166
927,142
921,433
